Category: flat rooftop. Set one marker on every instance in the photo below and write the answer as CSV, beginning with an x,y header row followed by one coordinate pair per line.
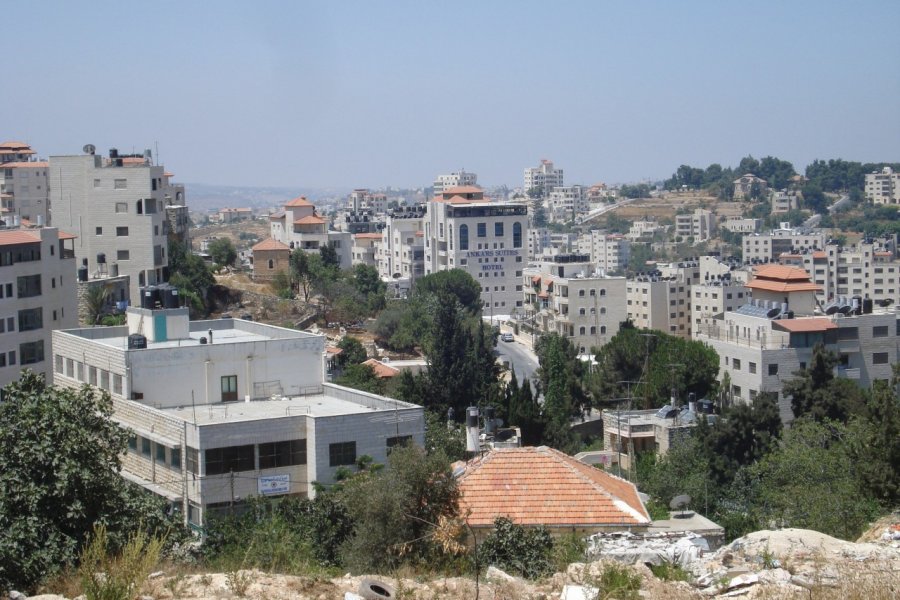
x,y
315,405
220,336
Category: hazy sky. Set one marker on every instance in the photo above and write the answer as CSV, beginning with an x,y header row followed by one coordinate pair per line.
x,y
393,93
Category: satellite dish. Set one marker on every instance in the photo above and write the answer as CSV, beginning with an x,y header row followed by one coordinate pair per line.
x,y
89,149
679,502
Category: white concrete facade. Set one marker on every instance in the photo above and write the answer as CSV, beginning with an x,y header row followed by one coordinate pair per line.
x,y
222,410
486,239
37,294
545,176
609,251
766,247
459,178
575,301
883,187
117,208
699,225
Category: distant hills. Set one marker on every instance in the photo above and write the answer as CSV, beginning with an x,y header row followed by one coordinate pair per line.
x,y
203,196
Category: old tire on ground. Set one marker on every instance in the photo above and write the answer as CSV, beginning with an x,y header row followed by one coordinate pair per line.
x,y
373,589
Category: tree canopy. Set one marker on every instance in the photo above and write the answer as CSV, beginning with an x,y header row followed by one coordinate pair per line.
x,y
223,252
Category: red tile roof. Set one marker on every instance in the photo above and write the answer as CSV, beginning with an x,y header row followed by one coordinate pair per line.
x,y
464,189
804,325
781,272
67,236
542,486
368,236
781,278
276,215
34,164
309,220
298,201
819,255
270,244
10,238
382,371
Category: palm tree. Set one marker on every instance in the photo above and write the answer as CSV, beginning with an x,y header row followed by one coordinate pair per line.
x,y
95,302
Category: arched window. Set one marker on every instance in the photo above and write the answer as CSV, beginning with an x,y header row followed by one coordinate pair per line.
x,y
271,264
593,330
593,310
580,311
602,310
602,292
593,292
603,329
463,237
517,235
581,331
581,293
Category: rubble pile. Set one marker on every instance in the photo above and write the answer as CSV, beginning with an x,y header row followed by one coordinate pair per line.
x,y
678,548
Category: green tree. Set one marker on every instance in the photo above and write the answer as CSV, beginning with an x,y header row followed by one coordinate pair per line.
x,y
816,393
455,282
809,482
395,510
814,198
446,351
281,285
191,275
95,301
560,381
637,260
301,273
61,455
527,552
330,258
352,351
362,377
370,288
223,252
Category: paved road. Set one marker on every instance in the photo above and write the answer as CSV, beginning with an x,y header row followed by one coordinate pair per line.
x,y
604,209
521,359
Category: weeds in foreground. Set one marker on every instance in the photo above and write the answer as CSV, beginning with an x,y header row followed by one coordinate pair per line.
x,y
615,581
107,577
670,572
239,582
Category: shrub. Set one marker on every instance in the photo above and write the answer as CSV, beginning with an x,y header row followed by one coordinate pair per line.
x,y
514,548
106,577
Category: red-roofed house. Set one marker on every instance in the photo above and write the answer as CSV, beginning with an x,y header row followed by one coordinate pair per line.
x,y
298,226
269,257
542,486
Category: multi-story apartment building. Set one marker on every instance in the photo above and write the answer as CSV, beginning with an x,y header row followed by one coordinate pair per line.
x,y
365,249
484,238
742,225
234,215
24,192
566,203
763,343
572,298
785,201
456,179
644,230
116,206
298,226
365,200
714,296
747,184
401,252
883,187
699,225
609,251
870,270
227,409
544,177
37,295
768,246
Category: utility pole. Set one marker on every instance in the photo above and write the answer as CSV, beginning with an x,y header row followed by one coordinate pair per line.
x,y
231,483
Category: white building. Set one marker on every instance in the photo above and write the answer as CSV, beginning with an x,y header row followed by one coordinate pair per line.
x,y
365,249
37,295
575,300
763,343
609,251
116,206
768,246
544,177
699,225
365,200
742,225
227,409
486,239
785,201
401,252
644,230
566,203
456,179
883,187
747,184
24,192
298,226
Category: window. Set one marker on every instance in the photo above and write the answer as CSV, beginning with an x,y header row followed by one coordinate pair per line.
x,y
482,230
121,231
271,264
736,364
229,388
31,319
193,461
120,184
160,454
175,460
342,453
463,237
121,207
773,369
98,230
400,440
28,286
880,331
117,384
32,352
498,229
848,333
581,331
517,235
231,458
58,364
145,447
752,367
96,183
132,443
123,255
282,454
880,358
